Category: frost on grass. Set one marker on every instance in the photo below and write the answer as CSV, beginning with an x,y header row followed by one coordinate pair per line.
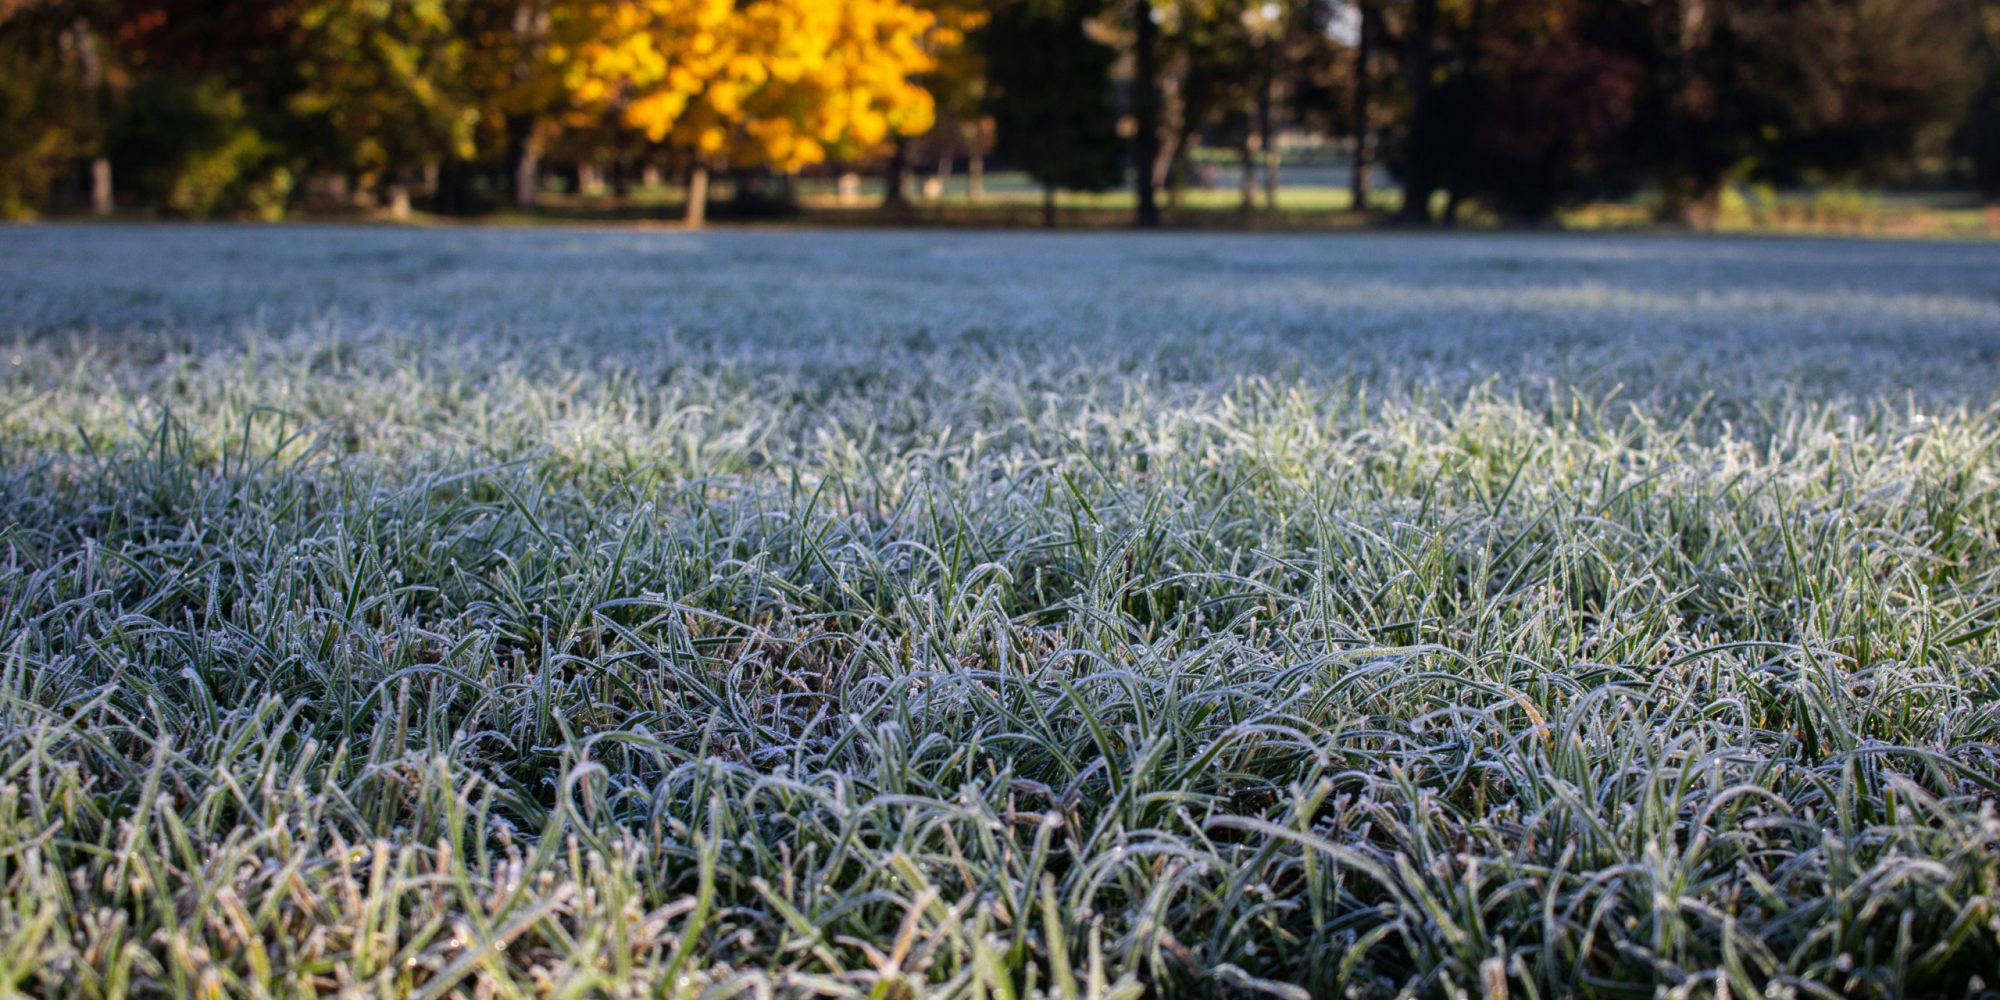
x,y
560,613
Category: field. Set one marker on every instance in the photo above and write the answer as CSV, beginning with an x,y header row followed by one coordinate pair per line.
x,y
892,614
1313,198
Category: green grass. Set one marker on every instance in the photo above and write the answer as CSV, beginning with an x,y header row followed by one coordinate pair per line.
x,y
556,613
1312,198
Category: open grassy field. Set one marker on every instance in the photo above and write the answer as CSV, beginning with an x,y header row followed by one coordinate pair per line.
x,y
571,613
1312,199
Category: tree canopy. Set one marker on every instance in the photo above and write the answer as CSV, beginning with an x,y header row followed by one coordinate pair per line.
x,y
1519,106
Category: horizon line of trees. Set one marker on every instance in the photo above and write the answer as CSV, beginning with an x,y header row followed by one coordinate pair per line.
x,y
194,109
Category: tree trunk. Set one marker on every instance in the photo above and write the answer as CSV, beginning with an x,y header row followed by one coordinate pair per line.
x,y
454,190
697,196
893,181
943,176
524,160
1692,194
975,177
1176,164
1267,140
1362,184
847,189
1146,114
91,69
1247,203
101,202
1420,173
396,198
1049,206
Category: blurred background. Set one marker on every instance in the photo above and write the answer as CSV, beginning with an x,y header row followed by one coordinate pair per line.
x,y
1710,114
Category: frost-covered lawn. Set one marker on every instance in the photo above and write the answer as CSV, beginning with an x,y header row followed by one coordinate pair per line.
x,y
573,613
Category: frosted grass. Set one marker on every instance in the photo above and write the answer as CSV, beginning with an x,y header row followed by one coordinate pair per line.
x,y
742,613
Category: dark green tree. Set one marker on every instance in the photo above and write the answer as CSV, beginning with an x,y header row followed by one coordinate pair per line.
x,y
1049,92
1784,90
57,92
1978,139
1978,135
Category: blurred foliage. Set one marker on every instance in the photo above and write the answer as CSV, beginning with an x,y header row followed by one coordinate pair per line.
x,y
1518,109
1051,119
196,153
783,84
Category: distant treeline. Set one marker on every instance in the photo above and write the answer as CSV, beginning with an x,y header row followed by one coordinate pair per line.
x,y
253,108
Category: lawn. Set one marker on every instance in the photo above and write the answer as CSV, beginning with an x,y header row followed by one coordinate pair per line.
x,y
1312,198
563,612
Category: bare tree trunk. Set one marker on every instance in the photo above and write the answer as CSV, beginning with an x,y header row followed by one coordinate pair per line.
x,y
975,177
396,198
454,189
92,71
1175,166
1362,185
101,201
524,133
1420,173
1247,203
893,193
1692,198
524,158
942,177
1146,113
697,197
1267,139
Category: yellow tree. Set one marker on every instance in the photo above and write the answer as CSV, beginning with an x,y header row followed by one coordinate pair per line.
x,y
779,84
519,60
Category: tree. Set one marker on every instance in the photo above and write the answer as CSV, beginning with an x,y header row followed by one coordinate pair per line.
x,y
1423,150
1050,97
1978,135
207,125
777,84
1549,103
1146,163
518,66
56,101
1368,28
1223,56
1778,91
385,81
957,85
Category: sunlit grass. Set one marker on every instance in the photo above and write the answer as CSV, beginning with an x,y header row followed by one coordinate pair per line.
x,y
1309,197
566,613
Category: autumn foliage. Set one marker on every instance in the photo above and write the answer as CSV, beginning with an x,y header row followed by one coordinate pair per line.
x,y
383,89
783,84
